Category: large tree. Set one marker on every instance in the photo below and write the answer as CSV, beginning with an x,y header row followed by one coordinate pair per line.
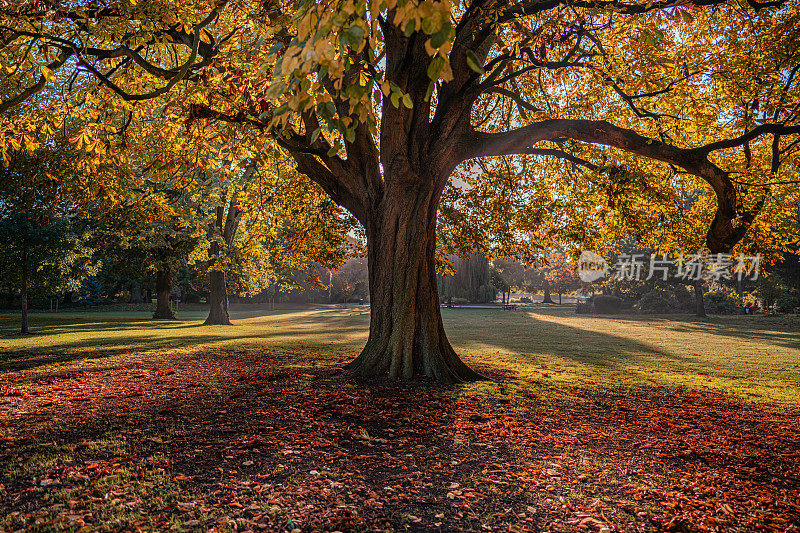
x,y
379,102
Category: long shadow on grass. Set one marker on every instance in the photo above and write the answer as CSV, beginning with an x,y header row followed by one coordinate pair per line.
x,y
755,328
470,330
531,337
131,336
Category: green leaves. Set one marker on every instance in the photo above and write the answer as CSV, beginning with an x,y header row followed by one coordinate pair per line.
x,y
441,36
411,27
474,63
334,149
399,95
352,36
435,67
326,110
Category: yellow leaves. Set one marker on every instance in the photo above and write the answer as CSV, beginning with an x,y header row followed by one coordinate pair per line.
x,y
306,25
47,73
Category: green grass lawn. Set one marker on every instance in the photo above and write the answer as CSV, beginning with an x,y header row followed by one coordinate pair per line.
x,y
757,357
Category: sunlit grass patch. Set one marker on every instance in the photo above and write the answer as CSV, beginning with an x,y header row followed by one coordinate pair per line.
x,y
754,356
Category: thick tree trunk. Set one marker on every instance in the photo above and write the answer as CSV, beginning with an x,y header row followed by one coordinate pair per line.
x,y
218,314
163,288
24,293
547,299
700,308
406,335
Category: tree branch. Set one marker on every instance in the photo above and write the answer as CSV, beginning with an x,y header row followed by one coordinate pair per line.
x,y
722,235
764,129
38,86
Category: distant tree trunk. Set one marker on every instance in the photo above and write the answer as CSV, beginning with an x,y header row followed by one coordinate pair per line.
x,y
24,291
547,298
136,293
163,288
700,307
218,313
559,298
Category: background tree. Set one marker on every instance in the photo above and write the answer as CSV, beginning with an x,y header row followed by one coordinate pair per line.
x,y
560,274
37,227
351,281
498,282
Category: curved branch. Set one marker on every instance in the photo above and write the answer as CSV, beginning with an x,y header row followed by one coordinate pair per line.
x,y
522,105
332,184
184,70
69,49
38,86
729,224
764,129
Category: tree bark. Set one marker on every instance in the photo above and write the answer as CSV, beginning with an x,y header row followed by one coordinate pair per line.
x,y
218,313
700,308
406,335
547,299
163,288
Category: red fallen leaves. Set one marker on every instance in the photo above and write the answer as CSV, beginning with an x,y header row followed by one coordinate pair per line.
x,y
256,447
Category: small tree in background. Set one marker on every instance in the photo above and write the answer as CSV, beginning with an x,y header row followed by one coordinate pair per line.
x,y
91,292
559,275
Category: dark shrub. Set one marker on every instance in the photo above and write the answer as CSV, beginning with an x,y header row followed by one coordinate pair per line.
x,y
525,300
583,308
606,304
654,302
721,303
787,303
